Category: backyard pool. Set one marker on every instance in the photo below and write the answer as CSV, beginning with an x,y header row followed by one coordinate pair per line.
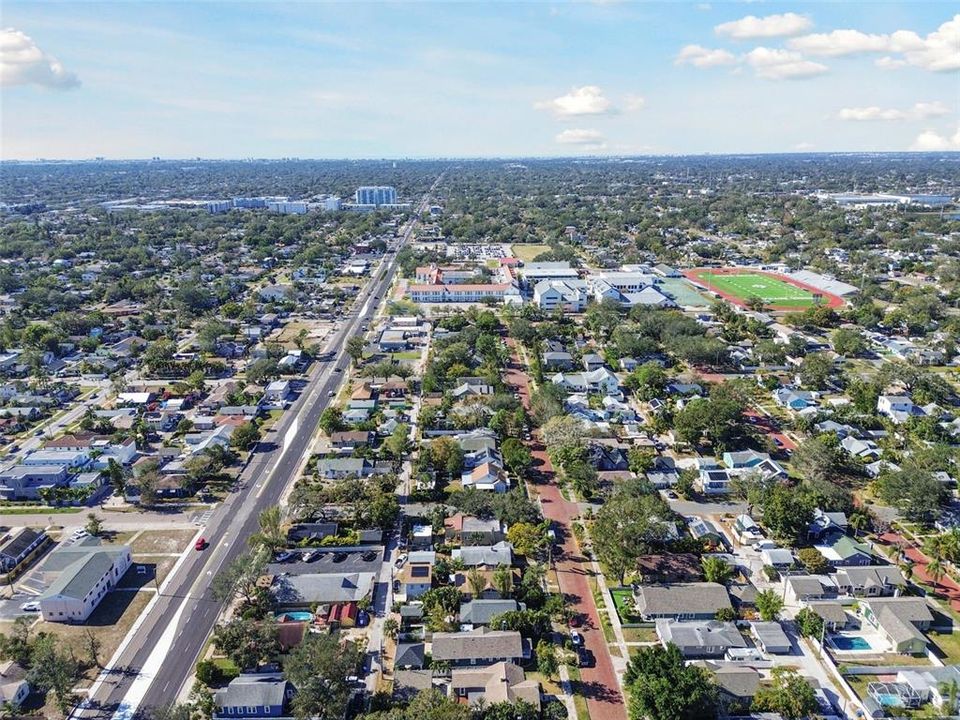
x,y
295,616
850,642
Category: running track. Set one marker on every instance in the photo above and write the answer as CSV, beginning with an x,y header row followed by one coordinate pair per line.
x,y
597,684
696,276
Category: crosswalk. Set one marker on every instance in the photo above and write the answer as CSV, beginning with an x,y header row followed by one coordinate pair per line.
x,y
202,518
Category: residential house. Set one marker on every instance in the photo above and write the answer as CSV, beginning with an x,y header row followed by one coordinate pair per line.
x,y
700,639
14,687
794,399
873,581
469,530
415,580
557,360
351,439
597,381
899,408
866,450
481,610
302,591
771,638
478,647
902,621
681,601
832,613
802,589
410,655
17,544
568,295
502,682
254,697
486,476
489,555
339,468
278,392
844,551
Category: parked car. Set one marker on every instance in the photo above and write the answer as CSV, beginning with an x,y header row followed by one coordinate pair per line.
x,y
283,556
586,658
576,638
313,555
32,606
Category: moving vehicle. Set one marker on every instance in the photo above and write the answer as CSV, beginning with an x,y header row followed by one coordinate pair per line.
x,y
32,606
200,544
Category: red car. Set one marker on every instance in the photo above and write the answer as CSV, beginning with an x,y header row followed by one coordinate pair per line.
x,y
200,544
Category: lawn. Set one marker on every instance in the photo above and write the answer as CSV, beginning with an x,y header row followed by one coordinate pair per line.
x,y
623,599
162,541
641,634
949,646
769,289
527,253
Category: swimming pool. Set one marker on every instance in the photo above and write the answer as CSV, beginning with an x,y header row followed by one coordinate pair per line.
x,y
850,642
889,699
294,616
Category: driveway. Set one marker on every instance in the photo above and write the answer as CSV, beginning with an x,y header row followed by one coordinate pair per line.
x,y
598,684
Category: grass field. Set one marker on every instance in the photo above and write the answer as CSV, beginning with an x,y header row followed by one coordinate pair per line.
x,y
769,289
528,252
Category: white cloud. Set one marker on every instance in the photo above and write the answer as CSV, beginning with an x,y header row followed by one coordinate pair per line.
x,y
930,109
775,64
586,100
633,102
702,57
753,27
938,51
919,111
576,136
932,141
870,113
23,63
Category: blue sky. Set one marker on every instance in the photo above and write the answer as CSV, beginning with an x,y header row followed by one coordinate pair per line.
x,y
248,79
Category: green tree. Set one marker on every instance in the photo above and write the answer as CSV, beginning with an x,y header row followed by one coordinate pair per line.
x,y
848,342
912,490
271,533
769,604
716,569
813,560
319,668
789,694
809,624
547,664
815,370
629,524
355,347
661,686
94,525
331,420
247,642
244,436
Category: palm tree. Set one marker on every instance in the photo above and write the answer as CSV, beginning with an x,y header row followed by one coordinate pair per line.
x,y
859,521
503,580
936,571
477,582
270,535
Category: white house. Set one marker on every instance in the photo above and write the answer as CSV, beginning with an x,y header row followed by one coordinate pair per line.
x,y
567,295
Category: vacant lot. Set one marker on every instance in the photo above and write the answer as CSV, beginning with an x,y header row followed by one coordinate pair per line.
x,y
109,623
528,252
161,541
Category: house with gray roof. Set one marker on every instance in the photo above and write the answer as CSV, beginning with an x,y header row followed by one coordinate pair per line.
x,y
681,601
902,620
771,638
254,696
697,639
83,583
872,581
478,647
481,611
304,590
410,655
503,682
490,555
339,468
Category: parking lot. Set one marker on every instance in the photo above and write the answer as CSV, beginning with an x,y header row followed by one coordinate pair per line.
x,y
331,560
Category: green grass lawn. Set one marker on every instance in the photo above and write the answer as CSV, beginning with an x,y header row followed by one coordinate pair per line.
x,y
769,289
623,599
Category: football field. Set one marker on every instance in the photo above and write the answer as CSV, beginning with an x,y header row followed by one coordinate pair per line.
x,y
773,292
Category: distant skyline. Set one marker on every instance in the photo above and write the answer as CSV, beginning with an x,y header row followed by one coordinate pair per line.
x,y
361,80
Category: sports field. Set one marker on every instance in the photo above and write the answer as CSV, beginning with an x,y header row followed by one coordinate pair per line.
x,y
743,285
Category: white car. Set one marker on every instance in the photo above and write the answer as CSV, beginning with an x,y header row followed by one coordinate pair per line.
x,y
32,606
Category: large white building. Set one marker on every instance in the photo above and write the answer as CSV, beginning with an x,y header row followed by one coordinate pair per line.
x,y
376,195
566,295
92,571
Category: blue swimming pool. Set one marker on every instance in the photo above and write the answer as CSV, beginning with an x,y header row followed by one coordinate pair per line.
x,y
850,642
294,616
889,699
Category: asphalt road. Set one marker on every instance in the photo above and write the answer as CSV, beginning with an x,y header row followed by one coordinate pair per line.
x,y
187,599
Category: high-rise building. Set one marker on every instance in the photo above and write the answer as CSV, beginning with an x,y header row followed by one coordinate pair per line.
x,y
289,207
376,195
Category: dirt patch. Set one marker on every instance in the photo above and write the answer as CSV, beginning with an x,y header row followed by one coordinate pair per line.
x,y
162,541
